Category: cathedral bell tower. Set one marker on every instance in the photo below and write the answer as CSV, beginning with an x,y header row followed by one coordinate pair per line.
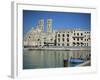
x,y
41,25
49,25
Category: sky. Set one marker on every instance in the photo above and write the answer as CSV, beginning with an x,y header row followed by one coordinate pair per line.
x,y
61,20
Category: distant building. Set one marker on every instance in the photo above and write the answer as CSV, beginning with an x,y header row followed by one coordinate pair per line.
x,y
49,25
65,38
41,25
37,38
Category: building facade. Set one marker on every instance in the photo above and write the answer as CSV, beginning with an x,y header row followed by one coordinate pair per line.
x,y
66,38
73,38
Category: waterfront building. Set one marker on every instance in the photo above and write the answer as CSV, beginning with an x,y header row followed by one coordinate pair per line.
x,y
37,38
62,38
75,37
32,38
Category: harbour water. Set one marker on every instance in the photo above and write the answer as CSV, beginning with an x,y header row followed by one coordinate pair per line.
x,y
35,59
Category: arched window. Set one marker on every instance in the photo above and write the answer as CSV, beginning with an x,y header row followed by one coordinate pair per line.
x,y
81,34
67,35
78,43
58,35
63,35
77,34
67,39
74,44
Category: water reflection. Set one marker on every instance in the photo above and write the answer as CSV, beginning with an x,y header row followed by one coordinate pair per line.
x,y
33,59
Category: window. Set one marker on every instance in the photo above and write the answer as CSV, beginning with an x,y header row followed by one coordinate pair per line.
x,y
67,35
78,43
67,44
58,39
74,33
73,38
81,44
85,39
63,35
81,34
58,35
58,44
62,39
73,43
77,39
67,40
81,38
77,34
